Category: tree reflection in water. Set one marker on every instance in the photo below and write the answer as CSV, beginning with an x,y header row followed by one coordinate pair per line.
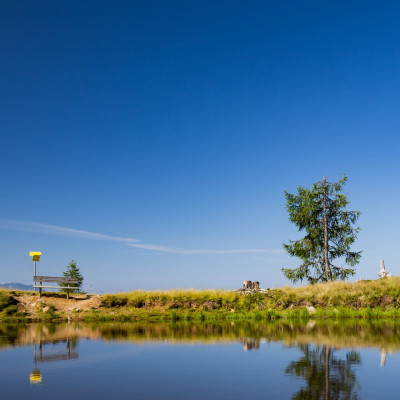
x,y
251,344
327,377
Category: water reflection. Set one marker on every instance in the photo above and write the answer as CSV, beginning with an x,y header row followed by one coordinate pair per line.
x,y
50,351
325,358
327,376
251,344
384,336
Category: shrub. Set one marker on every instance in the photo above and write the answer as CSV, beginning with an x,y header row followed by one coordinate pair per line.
x,y
114,301
137,303
50,314
257,315
6,300
10,310
173,316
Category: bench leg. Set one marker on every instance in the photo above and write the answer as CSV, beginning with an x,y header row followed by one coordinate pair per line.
x,y
40,293
67,294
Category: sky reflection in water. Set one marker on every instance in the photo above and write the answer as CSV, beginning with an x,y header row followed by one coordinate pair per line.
x,y
198,361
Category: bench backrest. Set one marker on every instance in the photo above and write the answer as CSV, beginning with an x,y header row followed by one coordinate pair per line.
x,y
55,279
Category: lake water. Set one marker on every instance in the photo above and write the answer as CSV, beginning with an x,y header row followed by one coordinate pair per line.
x,y
200,361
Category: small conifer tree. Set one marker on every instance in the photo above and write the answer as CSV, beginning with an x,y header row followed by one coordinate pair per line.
x,y
320,212
73,272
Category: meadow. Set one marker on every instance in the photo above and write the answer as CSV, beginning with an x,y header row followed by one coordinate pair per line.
x,y
375,299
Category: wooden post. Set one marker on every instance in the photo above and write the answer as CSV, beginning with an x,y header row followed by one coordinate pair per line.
x,y
68,292
40,290
35,274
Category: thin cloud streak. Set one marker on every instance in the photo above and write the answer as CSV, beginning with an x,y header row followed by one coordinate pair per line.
x,y
27,226
198,251
35,227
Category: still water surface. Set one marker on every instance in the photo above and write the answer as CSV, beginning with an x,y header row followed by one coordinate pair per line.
x,y
200,361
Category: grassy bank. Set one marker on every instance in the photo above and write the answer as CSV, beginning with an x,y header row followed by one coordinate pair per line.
x,y
376,299
383,292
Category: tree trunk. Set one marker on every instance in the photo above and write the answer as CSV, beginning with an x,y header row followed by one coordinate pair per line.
x,y
327,267
327,371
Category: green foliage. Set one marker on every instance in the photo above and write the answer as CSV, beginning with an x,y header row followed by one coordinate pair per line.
x,y
73,272
10,310
6,300
110,301
50,315
272,315
306,211
325,375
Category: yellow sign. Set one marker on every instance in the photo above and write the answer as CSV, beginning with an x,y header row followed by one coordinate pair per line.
x,y
35,255
35,377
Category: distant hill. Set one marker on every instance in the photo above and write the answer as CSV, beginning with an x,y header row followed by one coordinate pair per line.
x,y
17,286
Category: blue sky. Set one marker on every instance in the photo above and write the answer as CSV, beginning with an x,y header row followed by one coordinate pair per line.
x,y
152,141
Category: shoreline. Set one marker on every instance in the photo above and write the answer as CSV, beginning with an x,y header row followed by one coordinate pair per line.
x,y
376,299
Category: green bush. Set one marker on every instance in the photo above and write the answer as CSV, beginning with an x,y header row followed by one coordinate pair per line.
x,y
114,301
50,315
10,310
6,300
173,316
257,315
137,303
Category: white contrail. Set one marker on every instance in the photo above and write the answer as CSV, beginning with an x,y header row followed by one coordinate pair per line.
x,y
198,251
36,227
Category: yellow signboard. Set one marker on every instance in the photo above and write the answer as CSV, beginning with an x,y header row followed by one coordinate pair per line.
x,y
35,255
35,377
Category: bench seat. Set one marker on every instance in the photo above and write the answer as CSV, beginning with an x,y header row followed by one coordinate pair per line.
x,y
53,287
56,279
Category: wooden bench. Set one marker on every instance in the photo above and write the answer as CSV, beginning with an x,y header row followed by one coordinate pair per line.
x,y
62,280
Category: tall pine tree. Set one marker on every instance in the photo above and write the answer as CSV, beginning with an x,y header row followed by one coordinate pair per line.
x,y
320,212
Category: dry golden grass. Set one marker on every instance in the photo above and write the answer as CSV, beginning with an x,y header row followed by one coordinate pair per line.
x,y
187,298
382,292
359,294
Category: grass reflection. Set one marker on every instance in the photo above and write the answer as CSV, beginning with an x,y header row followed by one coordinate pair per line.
x,y
340,334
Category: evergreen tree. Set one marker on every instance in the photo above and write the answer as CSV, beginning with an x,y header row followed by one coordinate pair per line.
x,y
73,272
320,212
326,376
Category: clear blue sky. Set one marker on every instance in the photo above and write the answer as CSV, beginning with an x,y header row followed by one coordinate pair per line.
x,y
172,128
